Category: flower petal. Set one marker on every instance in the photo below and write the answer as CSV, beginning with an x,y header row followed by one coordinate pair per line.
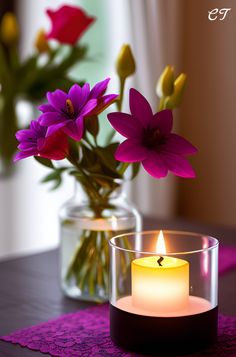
x,y
54,147
40,143
104,102
57,99
75,94
27,145
125,124
51,118
68,24
99,89
46,108
79,96
140,108
178,145
75,129
25,134
88,108
85,90
178,165
54,128
24,154
155,166
163,120
37,128
130,151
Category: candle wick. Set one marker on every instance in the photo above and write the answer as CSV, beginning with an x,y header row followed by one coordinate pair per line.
x,y
159,261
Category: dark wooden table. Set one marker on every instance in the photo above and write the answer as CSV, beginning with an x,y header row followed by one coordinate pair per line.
x,y
30,292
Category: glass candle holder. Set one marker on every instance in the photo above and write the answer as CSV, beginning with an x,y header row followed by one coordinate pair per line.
x,y
163,291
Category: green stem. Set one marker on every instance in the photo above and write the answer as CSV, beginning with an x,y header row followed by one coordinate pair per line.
x,y
90,263
87,142
91,190
121,97
123,168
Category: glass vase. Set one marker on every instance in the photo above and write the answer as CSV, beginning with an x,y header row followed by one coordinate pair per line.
x,y
86,226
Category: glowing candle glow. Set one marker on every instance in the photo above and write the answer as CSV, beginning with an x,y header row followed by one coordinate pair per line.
x,y
160,283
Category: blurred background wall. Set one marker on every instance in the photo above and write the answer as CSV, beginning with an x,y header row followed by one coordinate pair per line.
x,y
208,113
161,32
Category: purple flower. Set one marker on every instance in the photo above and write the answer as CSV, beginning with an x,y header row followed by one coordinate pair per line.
x,y
39,141
68,110
150,141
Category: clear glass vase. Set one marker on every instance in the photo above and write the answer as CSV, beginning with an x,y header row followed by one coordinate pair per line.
x,y
86,226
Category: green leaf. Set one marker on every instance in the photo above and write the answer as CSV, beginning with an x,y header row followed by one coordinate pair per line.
x,y
50,177
104,181
55,177
90,160
75,174
74,149
134,169
106,154
44,162
33,80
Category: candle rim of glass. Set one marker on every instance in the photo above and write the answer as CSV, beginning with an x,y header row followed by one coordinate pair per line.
x,y
215,240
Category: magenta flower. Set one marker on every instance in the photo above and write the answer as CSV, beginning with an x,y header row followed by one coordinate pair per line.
x,y
68,24
38,141
68,110
150,141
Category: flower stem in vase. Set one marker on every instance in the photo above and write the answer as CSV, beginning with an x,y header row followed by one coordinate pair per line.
x,y
90,263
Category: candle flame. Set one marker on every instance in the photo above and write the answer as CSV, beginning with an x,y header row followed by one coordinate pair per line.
x,y
160,246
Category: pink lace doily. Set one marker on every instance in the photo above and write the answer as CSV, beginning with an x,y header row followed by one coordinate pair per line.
x,y
86,333
227,259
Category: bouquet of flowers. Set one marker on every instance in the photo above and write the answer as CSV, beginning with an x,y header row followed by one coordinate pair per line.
x,y
67,129
55,53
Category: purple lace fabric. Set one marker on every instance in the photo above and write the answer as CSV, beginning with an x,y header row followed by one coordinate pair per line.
x,y
86,333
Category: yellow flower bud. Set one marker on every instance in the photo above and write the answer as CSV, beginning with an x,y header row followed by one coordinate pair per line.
x,y
179,86
165,84
40,42
125,63
9,29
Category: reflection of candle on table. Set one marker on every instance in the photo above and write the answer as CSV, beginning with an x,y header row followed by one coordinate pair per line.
x,y
160,285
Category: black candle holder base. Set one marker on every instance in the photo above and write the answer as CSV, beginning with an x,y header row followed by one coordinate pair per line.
x,y
163,335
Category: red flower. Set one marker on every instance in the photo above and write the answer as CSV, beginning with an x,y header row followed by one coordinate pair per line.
x,y
68,24
41,141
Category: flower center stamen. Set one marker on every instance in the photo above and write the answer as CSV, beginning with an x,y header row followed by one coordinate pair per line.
x,y
70,108
153,137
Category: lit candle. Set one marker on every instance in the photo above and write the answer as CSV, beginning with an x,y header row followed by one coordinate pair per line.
x,y
160,284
